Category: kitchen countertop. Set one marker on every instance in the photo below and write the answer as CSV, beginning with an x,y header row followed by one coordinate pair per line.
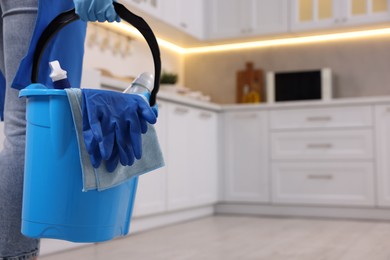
x,y
166,96
306,104
183,100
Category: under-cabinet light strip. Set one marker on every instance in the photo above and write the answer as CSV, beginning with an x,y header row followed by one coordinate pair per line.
x,y
261,44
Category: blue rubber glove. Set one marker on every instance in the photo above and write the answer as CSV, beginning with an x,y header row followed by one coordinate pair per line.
x,y
96,10
113,123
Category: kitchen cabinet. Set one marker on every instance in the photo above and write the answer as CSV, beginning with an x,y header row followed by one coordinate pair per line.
x,y
382,120
270,17
204,166
322,144
322,14
192,157
229,19
232,19
358,12
246,157
178,161
151,192
323,183
321,118
152,7
186,15
316,153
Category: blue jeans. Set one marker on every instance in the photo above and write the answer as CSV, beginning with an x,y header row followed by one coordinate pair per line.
x,y
16,27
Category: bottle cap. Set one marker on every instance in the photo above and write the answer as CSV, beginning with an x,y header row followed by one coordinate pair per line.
x,y
146,80
57,73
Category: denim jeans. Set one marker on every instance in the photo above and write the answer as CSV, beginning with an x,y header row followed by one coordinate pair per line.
x,y
16,27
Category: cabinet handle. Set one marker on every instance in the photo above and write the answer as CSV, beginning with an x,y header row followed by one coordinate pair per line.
x,y
388,109
181,110
320,177
319,146
247,116
205,115
344,20
184,25
319,118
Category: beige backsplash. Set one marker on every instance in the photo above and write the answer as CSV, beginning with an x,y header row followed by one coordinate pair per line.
x,y
360,67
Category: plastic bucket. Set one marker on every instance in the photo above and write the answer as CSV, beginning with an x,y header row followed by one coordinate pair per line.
x,y
54,205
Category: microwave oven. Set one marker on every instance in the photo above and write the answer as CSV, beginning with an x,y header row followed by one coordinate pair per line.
x,y
299,85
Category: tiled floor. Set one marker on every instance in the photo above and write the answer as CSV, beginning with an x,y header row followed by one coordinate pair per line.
x,y
232,238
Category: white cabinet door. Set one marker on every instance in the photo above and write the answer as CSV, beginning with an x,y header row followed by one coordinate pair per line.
x,y
270,17
382,131
318,14
151,191
203,152
323,183
191,17
230,18
314,14
322,145
321,118
192,157
152,7
179,161
357,12
246,157
234,19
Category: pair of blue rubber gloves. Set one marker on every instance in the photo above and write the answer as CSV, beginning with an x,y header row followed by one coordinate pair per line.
x,y
96,10
113,124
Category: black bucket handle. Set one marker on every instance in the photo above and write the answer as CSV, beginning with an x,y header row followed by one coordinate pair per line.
x,y
70,16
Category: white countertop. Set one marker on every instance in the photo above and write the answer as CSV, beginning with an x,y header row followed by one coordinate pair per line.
x,y
172,97
166,96
183,100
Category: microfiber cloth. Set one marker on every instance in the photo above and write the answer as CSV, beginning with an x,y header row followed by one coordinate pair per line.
x,y
100,178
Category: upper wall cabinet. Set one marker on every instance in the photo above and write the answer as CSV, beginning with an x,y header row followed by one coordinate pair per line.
x,y
358,12
228,19
153,7
186,15
322,14
232,18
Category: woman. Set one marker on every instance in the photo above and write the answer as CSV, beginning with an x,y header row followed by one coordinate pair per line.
x,y
20,26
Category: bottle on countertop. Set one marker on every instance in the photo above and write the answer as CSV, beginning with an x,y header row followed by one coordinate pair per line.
x,y
58,75
142,85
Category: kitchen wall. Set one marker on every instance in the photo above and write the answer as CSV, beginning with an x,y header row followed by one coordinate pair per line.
x,y
139,60
360,67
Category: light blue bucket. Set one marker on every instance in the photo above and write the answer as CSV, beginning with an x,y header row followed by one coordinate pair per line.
x,y
54,205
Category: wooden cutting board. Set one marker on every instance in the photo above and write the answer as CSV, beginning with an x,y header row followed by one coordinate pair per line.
x,y
250,85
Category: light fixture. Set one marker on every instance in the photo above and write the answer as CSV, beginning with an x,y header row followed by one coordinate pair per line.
x,y
258,44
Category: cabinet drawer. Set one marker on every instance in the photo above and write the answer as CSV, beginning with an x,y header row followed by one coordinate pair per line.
x,y
330,183
355,116
330,144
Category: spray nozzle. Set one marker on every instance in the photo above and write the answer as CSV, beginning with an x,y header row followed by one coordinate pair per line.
x,y
57,73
